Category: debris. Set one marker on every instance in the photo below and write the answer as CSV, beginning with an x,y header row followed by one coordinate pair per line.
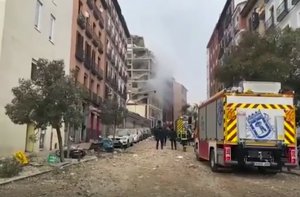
x,y
135,155
179,157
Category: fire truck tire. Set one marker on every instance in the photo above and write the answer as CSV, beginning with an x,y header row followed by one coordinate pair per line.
x,y
212,161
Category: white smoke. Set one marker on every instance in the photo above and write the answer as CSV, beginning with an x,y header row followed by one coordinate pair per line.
x,y
163,75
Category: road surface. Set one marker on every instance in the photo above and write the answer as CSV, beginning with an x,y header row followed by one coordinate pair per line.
x,y
144,171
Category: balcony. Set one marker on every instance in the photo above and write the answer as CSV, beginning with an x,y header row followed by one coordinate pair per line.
x,y
270,23
100,47
95,39
221,52
99,101
282,11
100,74
94,98
96,12
109,55
93,68
79,54
90,3
109,30
81,20
294,2
101,21
89,30
87,62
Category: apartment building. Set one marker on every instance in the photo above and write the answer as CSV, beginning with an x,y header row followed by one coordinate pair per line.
x,y
88,62
117,34
282,14
180,99
98,59
145,100
168,101
29,30
218,44
237,17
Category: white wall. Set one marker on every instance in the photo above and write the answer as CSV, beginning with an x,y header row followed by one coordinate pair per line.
x,y
293,17
2,12
22,42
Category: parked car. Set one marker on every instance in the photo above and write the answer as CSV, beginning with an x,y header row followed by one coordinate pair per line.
x,y
123,138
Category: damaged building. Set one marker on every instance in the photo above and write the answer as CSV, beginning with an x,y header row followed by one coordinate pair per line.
x,y
144,99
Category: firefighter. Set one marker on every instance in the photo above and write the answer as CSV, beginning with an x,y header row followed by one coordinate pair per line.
x,y
172,137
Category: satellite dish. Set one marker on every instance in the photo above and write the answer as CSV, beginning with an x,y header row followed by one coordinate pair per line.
x,y
86,14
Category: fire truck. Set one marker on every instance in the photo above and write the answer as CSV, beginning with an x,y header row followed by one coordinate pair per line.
x,y
249,125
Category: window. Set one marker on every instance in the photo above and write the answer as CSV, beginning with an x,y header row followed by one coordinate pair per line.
x,y
77,73
52,23
38,13
272,13
80,6
92,85
33,69
85,80
98,89
134,84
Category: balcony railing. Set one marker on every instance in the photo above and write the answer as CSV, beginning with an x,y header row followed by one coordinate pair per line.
x,y
270,23
282,11
99,101
89,30
109,55
96,12
81,20
90,3
95,39
87,62
100,73
93,68
100,46
101,21
294,2
93,96
79,54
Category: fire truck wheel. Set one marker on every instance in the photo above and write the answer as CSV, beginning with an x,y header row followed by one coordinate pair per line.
x,y
212,161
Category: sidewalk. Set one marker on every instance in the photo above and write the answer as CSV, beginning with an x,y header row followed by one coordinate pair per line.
x,y
31,171
295,171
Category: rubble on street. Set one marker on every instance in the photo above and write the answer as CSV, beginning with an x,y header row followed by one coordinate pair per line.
x,y
144,171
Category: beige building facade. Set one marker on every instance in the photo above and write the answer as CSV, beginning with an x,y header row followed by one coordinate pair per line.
x,y
180,99
29,30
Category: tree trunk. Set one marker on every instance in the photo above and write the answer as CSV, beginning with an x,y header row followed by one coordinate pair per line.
x,y
60,144
68,141
115,128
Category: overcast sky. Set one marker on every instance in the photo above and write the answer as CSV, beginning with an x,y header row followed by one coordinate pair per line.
x,y
177,31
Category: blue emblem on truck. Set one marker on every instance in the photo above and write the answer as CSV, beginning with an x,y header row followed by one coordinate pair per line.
x,y
259,124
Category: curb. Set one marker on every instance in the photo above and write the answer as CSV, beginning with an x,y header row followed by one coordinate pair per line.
x,y
24,177
291,173
45,172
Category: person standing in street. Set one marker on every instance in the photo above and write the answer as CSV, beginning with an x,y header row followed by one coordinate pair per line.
x,y
166,133
159,137
172,137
